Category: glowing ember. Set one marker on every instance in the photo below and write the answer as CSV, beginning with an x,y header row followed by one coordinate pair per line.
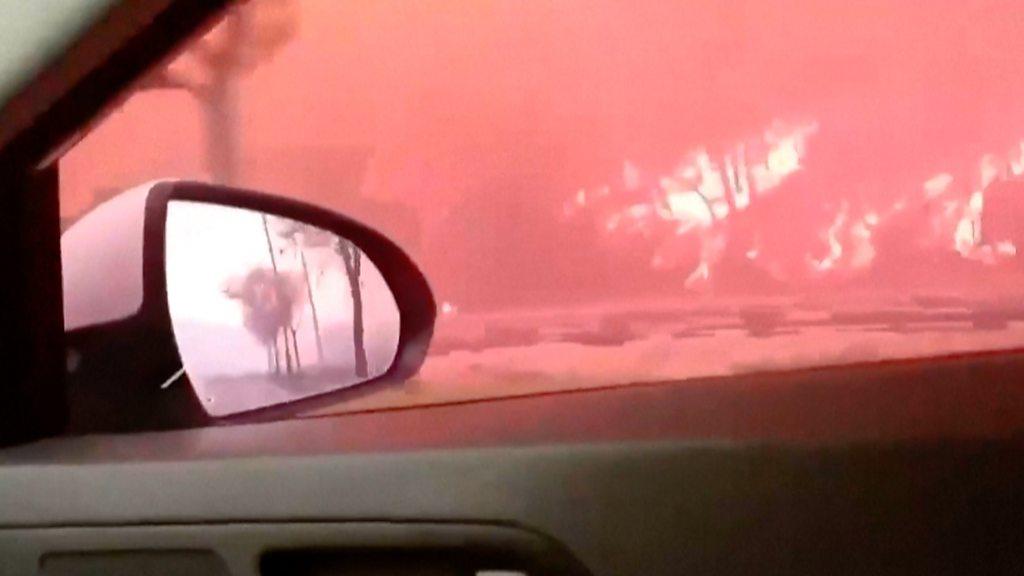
x,y
937,185
835,249
1017,160
967,235
1006,248
787,146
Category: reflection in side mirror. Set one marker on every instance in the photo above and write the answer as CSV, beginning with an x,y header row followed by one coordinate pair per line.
x,y
267,310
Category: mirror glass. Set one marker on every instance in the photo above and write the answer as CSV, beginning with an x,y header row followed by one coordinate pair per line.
x,y
268,310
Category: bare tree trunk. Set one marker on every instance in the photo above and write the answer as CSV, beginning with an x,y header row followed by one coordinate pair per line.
x,y
287,351
295,349
220,105
270,244
312,307
277,357
353,262
221,108
357,316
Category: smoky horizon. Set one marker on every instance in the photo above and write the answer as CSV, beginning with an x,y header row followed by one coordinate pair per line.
x,y
679,188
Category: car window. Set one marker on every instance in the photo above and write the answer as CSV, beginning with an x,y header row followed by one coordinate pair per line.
x,y
610,193
32,37
35,37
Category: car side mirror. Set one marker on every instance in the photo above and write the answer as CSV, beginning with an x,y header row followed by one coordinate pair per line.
x,y
187,303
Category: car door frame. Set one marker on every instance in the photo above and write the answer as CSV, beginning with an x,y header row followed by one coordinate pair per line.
x,y
42,120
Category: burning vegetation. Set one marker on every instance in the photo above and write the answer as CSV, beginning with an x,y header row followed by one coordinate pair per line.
x,y
751,212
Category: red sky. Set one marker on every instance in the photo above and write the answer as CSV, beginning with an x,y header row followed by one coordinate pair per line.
x,y
524,102
440,79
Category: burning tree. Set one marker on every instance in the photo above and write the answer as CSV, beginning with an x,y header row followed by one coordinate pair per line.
x,y
270,301
690,214
755,213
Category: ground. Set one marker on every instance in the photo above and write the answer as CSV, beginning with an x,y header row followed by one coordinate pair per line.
x,y
500,355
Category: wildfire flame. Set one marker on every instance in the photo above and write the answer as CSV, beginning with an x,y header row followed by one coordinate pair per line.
x,y
700,195
699,192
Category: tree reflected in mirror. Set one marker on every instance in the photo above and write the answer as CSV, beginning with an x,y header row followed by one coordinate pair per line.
x,y
269,310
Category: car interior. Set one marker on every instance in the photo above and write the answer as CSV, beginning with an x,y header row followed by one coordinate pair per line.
x,y
123,453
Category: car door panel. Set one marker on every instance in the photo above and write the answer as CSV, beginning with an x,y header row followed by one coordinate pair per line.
x,y
618,508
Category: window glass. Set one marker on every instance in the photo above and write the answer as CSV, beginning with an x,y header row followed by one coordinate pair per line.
x,y
606,192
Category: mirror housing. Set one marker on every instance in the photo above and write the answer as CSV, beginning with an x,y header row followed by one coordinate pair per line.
x,y
123,357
